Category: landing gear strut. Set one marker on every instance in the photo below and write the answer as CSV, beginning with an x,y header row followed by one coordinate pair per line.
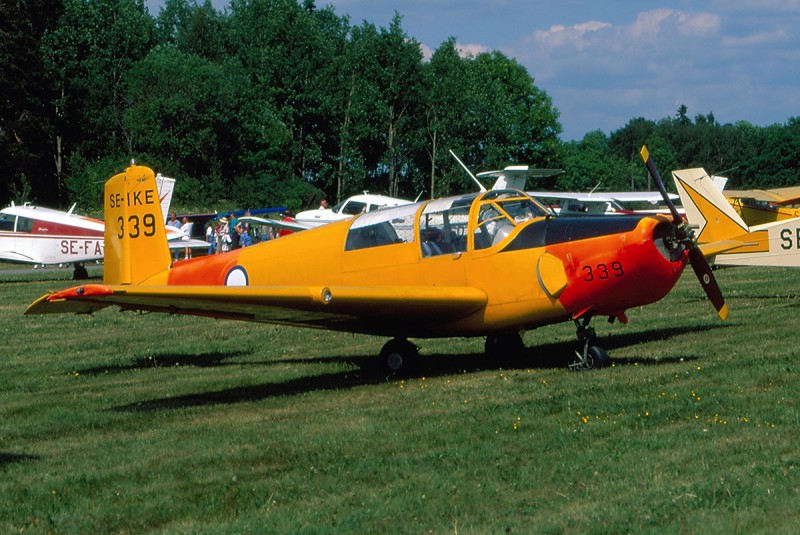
x,y
592,357
399,355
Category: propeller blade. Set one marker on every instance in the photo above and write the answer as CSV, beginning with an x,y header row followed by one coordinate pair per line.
x,y
651,168
696,257
708,281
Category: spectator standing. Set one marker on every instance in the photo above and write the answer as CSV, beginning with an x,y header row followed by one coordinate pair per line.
x,y
186,228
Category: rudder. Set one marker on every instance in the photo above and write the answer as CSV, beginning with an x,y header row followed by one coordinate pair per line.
x,y
706,207
135,239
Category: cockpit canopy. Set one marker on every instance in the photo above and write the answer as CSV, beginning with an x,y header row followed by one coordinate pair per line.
x,y
446,225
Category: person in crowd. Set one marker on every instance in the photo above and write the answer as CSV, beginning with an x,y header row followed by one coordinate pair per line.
x,y
246,228
173,222
266,233
245,239
211,237
225,236
186,228
234,230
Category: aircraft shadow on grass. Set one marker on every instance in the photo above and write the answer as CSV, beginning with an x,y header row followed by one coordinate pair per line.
x,y
10,458
369,370
168,360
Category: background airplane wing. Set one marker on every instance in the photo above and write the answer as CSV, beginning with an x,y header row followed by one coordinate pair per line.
x,y
275,223
652,197
191,243
376,310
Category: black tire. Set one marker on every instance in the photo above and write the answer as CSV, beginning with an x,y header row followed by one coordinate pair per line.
x,y
80,273
597,358
399,355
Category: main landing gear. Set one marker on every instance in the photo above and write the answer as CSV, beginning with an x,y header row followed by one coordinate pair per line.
x,y
504,345
80,272
399,355
593,357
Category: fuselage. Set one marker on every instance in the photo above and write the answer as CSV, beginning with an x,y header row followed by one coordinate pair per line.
x,y
37,235
534,268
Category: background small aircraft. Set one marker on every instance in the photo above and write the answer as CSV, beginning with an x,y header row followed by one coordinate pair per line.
x,y
722,233
566,202
352,206
490,264
757,206
43,236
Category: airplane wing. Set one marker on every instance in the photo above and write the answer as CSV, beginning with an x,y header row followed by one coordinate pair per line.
x,y
754,194
190,243
275,223
12,256
356,309
651,197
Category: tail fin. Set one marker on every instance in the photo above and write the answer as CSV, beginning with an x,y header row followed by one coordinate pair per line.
x,y
135,239
706,207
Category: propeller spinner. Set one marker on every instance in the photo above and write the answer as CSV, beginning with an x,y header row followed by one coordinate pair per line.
x,y
685,235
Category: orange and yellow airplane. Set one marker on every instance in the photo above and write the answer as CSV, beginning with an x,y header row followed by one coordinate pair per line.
x,y
490,264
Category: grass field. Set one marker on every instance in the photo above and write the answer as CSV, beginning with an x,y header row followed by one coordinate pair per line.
x,y
132,423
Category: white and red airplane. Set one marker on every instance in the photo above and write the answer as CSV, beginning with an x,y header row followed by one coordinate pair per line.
x,y
44,236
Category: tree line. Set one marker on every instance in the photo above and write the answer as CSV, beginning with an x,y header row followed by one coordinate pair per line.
x,y
280,102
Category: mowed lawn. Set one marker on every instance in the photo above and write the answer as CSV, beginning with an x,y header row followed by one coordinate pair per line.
x,y
129,423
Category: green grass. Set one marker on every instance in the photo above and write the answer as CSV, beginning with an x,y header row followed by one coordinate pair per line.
x,y
150,423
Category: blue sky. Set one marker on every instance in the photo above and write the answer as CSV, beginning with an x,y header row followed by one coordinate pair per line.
x,y
604,63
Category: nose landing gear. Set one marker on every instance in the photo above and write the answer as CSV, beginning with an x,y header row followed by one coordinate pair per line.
x,y
592,357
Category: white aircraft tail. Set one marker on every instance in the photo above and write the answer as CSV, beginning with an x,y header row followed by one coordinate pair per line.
x,y
706,207
724,235
135,238
165,188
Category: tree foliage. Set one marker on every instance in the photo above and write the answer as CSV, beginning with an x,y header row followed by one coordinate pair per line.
x,y
281,102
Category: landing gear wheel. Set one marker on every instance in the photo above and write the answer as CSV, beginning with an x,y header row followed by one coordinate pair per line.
x,y
596,358
399,355
80,273
592,357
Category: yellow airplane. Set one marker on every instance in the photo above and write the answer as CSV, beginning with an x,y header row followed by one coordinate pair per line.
x,y
492,264
722,233
759,206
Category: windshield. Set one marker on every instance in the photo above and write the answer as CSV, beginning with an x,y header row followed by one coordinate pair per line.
x,y
500,212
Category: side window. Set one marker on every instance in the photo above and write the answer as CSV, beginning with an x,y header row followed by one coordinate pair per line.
x,y
382,227
371,236
353,208
7,222
443,229
490,220
24,224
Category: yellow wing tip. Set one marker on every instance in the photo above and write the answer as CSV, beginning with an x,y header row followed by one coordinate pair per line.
x,y
723,312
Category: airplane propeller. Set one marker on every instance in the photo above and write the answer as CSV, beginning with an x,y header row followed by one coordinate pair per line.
x,y
685,235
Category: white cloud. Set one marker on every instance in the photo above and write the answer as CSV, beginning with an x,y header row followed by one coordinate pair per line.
x,y
777,36
578,35
470,50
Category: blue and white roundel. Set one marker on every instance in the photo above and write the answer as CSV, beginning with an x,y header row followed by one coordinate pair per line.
x,y
237,276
